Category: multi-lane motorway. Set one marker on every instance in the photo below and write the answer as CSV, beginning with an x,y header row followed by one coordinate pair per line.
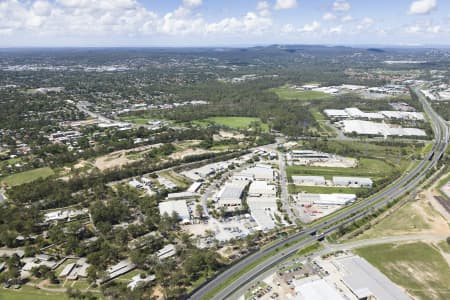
x,y
283,248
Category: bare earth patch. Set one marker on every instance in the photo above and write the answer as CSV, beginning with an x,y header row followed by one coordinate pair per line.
x,y
119,158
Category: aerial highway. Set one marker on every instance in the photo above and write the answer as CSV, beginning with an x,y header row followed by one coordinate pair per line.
x,y
283,248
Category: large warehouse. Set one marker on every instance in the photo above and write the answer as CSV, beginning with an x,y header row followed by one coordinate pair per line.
x,y
316,289
308,180
178,206
378,129
356,182
231,194
325,199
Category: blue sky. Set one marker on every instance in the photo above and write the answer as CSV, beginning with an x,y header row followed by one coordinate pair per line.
x,y
223,23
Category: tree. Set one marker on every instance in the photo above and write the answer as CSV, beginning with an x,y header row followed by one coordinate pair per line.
x,y
199,210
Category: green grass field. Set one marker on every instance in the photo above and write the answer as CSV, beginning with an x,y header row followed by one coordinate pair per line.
x,y
27,293
411,218
232,122
294,189
417,267
28,176
366,167
288,93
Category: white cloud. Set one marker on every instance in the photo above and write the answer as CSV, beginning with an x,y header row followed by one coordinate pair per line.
x,y
365,23
288,28
424,27
263,8
329,17
192,3
341,5
314,26
347,18
422,6
119,18
285,4
250,23
337,29
261,5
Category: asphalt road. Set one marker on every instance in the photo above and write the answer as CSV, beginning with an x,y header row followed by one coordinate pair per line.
x,y
301,239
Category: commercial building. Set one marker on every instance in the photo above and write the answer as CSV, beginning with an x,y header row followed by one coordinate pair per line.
x,y
258,172
366,282
356,113
325,199
182,196
403,115
262,189
356,182
194,187
316,289
378,129
336,114
263,210
231,194
178,206
309,180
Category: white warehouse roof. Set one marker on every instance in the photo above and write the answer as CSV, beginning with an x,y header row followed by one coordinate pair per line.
x,y
326,199
316,180
261,188
178,206
350,181
372,128
316,290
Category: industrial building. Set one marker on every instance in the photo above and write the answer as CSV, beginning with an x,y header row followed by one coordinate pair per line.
x,y
309,180
263,210
262,189
325,199
258,172
178,206
316,289
195,187
366,282
403,115
336,114
357,114
231,194
378,129
182,196
355,182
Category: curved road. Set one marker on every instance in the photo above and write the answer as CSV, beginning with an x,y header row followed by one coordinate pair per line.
x,y
278,252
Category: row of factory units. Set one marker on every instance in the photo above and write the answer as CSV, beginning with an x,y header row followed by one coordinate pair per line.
x,y
356,113
338,181
339,277
305,157
370,128
389,90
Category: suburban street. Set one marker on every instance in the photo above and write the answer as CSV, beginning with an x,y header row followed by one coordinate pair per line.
x,y
299,240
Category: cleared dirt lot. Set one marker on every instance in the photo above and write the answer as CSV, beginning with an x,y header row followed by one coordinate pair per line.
x,y
119,158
